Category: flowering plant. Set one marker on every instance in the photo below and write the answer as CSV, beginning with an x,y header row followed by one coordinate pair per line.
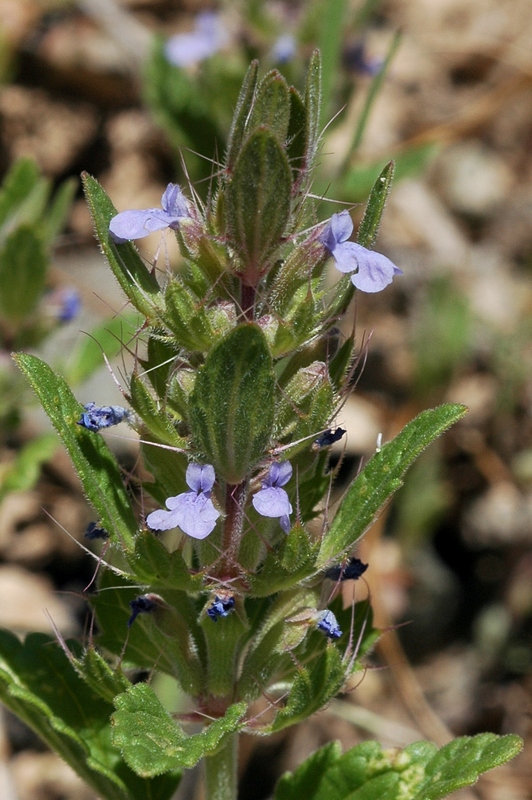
x,y
235,399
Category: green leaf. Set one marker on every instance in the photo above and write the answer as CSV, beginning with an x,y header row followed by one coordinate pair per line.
x,y
94,462
241,115
232,403
40,685
271,106
381,477
19,182
367,232
59,210
139,285
419,772
372,95
258,201
460,763
187,318
106,338
287,566
23,473
313,686
23,266
330,45
153,743
313,98
155,419
168,638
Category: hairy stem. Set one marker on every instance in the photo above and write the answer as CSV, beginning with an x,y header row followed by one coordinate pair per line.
x,y
221,773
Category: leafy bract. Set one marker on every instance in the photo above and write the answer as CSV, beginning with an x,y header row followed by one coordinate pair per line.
x,y
40,685
153,743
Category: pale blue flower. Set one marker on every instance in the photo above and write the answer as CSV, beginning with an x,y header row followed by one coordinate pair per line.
x,y
136,224
207,37
372,271
192,511
272,500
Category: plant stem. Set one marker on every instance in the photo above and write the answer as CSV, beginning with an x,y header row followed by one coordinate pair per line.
x,y
221,771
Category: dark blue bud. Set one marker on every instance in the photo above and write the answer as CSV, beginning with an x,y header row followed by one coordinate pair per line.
x,y
327,623
94,532
329,437
94,418
221,607
347,572
143,604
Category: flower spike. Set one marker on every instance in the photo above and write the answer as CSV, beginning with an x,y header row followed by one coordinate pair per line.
x,y
372,271
192,511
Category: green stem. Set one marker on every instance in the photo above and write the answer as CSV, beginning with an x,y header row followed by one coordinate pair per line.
x,y
221,771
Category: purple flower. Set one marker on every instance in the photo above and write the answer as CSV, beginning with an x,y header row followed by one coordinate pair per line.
x,y
94,418
139,223
327,623
221,607
207,37
373,270
143,604
192,511
347,572
271,500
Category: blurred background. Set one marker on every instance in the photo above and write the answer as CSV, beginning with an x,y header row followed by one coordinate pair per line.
x,y
140,93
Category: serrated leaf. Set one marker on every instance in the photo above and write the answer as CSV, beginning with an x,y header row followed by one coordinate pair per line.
x,y
419,772
381,477
233,402
139,285
23,266
257,201
460,763
153,743
94,462
367,232
41,686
